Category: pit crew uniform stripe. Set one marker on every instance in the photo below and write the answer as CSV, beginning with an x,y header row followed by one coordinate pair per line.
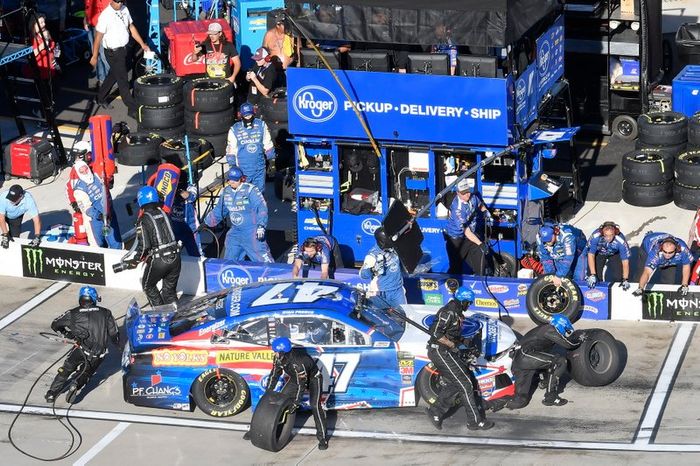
x,y
464,389
32,303
391,436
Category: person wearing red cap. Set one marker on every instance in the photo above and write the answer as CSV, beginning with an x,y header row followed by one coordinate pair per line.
x,y
14,204
221,59
262,76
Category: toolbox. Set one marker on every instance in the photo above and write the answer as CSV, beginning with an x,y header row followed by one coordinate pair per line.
x,y
29,157
686,90
182,36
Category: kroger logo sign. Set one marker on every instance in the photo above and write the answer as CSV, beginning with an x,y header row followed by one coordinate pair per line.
x,y
544,57
315,104
520,91
234,276
370,225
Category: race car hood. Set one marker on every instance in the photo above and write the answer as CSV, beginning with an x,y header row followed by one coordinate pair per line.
x,y
496,336
148,327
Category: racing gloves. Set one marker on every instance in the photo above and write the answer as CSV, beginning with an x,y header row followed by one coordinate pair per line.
x,y
5,242
625,285
592,279
484,248
683,290
260,233
75,207
35,242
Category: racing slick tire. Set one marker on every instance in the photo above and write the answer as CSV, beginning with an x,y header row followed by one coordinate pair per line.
x,y
138,149
220,393
647,195
670,151
176,132
158,90
686,197
173,151
663,128
505,265
272,423
209,95
543,300
694,130
166,117
687,168
202,123
647,166
598,361
428,384
275,107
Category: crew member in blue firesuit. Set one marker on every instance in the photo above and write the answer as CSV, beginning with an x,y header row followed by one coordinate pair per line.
x,y
249,144
106,233
445,45
382,263
607,246
463,242
562,251
317,250
244,205
535,354
665,252
184,220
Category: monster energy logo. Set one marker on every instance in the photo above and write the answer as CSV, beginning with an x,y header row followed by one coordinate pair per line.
x,y
35,260
655,304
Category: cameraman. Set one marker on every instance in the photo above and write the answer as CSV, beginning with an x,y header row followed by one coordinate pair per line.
x,y
155,244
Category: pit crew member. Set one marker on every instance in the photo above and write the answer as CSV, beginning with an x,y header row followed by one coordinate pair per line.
x,y
535,354
14,203
155,244
303,375
92,327
608,246
383,266
243,204
665,252
562,251
443,351
249,145
463,243
317,250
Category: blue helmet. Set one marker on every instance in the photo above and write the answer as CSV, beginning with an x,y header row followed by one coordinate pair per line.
x,y
546,233
147,195
247,109
234,173
562,324
464,293
87,296
281,345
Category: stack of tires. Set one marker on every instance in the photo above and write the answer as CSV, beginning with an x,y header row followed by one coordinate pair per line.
x,y
160,111
686,188
209,113
647,172
138,149
174,151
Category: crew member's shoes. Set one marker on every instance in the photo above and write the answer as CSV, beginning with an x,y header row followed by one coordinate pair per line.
x,y
50,396
542,384
517,403
483,425
246,436
434,419
554,401
323,444
72,393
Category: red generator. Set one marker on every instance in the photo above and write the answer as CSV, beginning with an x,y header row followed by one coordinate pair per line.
x,y
182,36
29,157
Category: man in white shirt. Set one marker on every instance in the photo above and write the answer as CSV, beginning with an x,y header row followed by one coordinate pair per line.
x,y
112,30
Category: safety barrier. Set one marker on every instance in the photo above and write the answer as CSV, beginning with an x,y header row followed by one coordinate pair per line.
x,y
89,265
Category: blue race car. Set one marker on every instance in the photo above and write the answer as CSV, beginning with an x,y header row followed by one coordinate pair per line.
x,y
214,353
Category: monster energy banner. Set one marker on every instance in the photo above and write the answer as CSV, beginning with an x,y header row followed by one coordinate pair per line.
x,y
670,305
63,265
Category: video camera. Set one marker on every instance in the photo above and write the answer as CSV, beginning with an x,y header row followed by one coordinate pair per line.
x,y
120,267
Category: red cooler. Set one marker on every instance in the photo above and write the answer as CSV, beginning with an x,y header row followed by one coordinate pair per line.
x,y
182,36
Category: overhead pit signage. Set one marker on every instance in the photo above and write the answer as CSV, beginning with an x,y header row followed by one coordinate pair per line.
x,y
399,107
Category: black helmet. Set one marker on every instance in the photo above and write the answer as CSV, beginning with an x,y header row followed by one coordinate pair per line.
x,y
354,162
383,241
372,164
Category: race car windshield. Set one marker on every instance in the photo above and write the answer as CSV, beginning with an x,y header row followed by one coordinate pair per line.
x,y
374,313
199,312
